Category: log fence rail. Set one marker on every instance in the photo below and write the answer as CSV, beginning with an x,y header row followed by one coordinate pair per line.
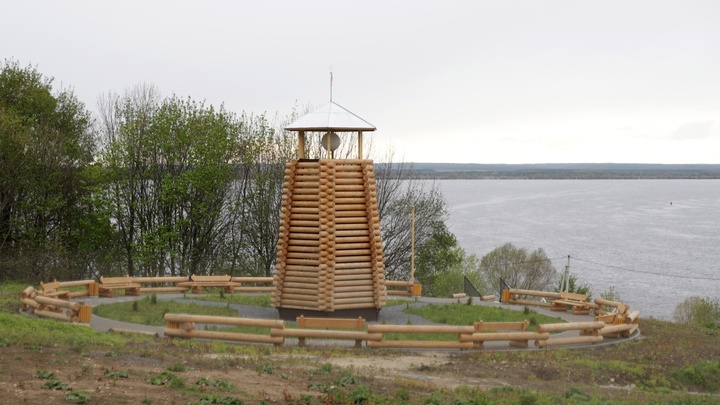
x,y
328,328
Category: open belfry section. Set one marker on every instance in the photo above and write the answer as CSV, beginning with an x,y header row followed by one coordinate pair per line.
x,y
329,258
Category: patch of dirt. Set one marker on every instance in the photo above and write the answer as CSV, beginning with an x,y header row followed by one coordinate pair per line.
x,y
98,375
275,378
290,375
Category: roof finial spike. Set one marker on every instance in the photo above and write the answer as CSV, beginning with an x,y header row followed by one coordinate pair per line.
x,y
331,83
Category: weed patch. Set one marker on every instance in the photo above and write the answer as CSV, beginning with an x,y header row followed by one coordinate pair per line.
x,y
55,385
115,374
78,397
703,375
167,378
216,399
219,384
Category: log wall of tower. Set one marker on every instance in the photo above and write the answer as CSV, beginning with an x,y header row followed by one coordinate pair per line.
x,y
329,254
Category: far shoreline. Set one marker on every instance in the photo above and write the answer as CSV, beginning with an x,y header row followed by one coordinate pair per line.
x,y
561,171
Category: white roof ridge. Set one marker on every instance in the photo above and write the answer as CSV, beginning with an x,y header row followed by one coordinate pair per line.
x,y
330,117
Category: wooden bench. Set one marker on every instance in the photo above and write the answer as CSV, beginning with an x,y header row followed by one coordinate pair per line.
x,y
53,290
108,285
578,303
197,283
165,281
331,330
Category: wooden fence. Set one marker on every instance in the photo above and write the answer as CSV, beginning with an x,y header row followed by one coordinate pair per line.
x,y
53,301
184,326
468,337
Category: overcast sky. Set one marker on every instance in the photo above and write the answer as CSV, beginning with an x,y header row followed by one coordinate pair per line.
x,y
443,81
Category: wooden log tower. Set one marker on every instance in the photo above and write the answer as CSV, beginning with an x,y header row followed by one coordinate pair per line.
x,y
329,258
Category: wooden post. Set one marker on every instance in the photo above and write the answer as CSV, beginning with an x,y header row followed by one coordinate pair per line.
x,y
412,247
301,144
360,145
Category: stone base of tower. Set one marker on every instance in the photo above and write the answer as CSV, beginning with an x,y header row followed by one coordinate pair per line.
x,y
369,314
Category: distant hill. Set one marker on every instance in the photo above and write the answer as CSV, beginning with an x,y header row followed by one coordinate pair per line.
x,y
565,171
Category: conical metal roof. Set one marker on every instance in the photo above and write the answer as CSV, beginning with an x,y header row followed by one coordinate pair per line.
x,y
330,118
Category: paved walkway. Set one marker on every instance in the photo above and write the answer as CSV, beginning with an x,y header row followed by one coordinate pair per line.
x,y
388,315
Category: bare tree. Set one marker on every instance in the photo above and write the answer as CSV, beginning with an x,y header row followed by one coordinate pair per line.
x,y
398,194
254,206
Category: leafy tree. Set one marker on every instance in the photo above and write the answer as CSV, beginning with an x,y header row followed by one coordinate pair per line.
x,y
436,256
46,140
169,179
519,268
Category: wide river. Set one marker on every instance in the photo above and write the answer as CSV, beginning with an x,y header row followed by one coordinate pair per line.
x,y
656,242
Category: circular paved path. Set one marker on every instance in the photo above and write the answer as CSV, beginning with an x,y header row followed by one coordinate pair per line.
x,y
388,315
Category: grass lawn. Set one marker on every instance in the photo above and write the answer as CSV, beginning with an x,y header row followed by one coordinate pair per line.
x,y
147,311
462,314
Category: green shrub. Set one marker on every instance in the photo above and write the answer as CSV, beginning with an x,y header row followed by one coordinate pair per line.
x,y
360,395
699,311
611,295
